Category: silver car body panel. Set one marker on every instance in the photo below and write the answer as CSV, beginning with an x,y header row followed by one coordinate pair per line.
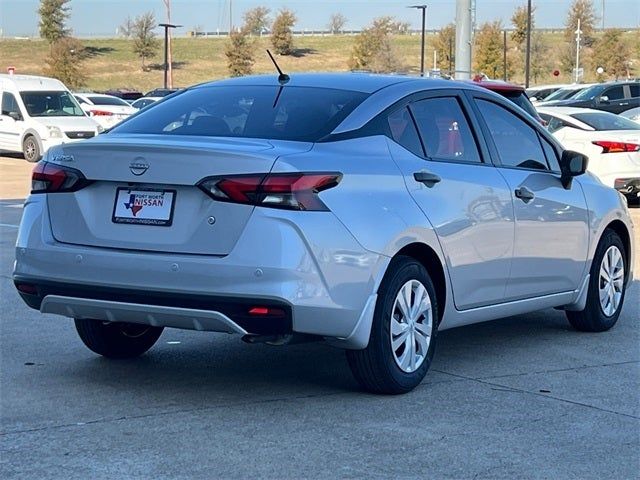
x,y
329,265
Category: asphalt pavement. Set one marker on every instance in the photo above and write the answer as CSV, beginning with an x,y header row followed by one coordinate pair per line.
x,y
521,397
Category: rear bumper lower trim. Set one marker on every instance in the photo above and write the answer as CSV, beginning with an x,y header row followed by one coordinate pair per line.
x,y
154,315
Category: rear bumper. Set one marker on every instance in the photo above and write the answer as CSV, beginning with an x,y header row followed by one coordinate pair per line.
x,y
310,266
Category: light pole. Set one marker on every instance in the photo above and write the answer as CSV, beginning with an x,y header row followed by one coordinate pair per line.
x,y
527,64
166,27
424,24
578,33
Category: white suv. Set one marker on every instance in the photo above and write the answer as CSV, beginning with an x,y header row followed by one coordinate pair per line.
x,y
39,112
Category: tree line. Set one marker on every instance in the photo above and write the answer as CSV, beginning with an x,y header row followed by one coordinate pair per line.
x,y
373,49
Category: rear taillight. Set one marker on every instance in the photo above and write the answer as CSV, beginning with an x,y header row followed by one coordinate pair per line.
x,y
292,191
52,178
616,147
100,113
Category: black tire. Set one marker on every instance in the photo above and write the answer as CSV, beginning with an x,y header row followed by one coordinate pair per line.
x,y
31,149
593,318
117,340
375,368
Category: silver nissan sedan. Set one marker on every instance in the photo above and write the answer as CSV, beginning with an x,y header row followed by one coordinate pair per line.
x,y
365,211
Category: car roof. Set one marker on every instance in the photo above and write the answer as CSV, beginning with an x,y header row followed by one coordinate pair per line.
x,y
496,85
31,82
567,110
359,82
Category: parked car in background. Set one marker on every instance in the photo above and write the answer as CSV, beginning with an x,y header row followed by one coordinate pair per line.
x,y
39,112
161,92
611,142
512,92
144,102
632,114
107,110
366,211
564,93
127,95
614,97
540,92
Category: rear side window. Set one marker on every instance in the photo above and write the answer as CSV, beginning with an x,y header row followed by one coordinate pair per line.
x,y
403,131
444,130
516,141
279,113
635,90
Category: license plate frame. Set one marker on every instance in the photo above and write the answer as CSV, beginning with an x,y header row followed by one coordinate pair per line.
x,y
149,194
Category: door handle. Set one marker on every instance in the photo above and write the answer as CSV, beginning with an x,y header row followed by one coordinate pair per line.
x,y
524,194
427,178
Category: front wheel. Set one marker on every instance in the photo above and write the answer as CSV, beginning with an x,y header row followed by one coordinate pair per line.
x,y
403,332
606,287
31,149
117,340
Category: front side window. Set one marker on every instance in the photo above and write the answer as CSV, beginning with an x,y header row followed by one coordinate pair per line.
x,y
615,93
279,113
444,130
51,104
516,141
9,104
403,131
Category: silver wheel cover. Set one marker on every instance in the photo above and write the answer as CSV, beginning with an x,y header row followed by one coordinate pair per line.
x,y
611,281
411,326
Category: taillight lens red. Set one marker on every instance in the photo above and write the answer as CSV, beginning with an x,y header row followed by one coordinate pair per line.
x,y
616,147
292,191
53,178
100,113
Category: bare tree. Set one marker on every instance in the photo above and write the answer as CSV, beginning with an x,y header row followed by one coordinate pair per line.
x,y
337,22
127,27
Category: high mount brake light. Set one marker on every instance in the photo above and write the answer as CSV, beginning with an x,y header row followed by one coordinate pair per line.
x,y
617,147
53,178
291,191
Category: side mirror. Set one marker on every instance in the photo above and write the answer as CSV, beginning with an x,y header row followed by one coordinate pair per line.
x,y
16,116
604,99
572,164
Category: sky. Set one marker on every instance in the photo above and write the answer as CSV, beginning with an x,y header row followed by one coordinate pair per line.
x,y
100,18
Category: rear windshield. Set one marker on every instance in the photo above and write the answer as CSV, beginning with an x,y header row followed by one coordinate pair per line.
x,y
279,113
562,94
51,104
520,99
107,101
606,121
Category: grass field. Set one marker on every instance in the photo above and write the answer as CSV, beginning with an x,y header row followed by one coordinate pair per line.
x,y
112,64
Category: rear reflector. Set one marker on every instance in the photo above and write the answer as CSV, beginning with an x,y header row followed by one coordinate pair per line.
x,y
27,288
266,312
292,191
52,178
616,147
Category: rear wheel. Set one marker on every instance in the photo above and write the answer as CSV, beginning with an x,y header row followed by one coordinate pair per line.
x,y
117,340
403,332
606,287
31,149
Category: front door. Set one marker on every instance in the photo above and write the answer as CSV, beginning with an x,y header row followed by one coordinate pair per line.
x,y
552,235
466,199
10,124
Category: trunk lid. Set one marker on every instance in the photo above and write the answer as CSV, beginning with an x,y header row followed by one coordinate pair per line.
x,y
165,171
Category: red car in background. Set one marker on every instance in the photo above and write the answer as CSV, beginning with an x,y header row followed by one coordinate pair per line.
x,y
513,92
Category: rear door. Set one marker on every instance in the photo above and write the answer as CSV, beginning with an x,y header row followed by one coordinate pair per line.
x,y
551,222
464,197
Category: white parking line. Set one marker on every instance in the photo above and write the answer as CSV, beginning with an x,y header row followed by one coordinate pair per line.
x,y
9,226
